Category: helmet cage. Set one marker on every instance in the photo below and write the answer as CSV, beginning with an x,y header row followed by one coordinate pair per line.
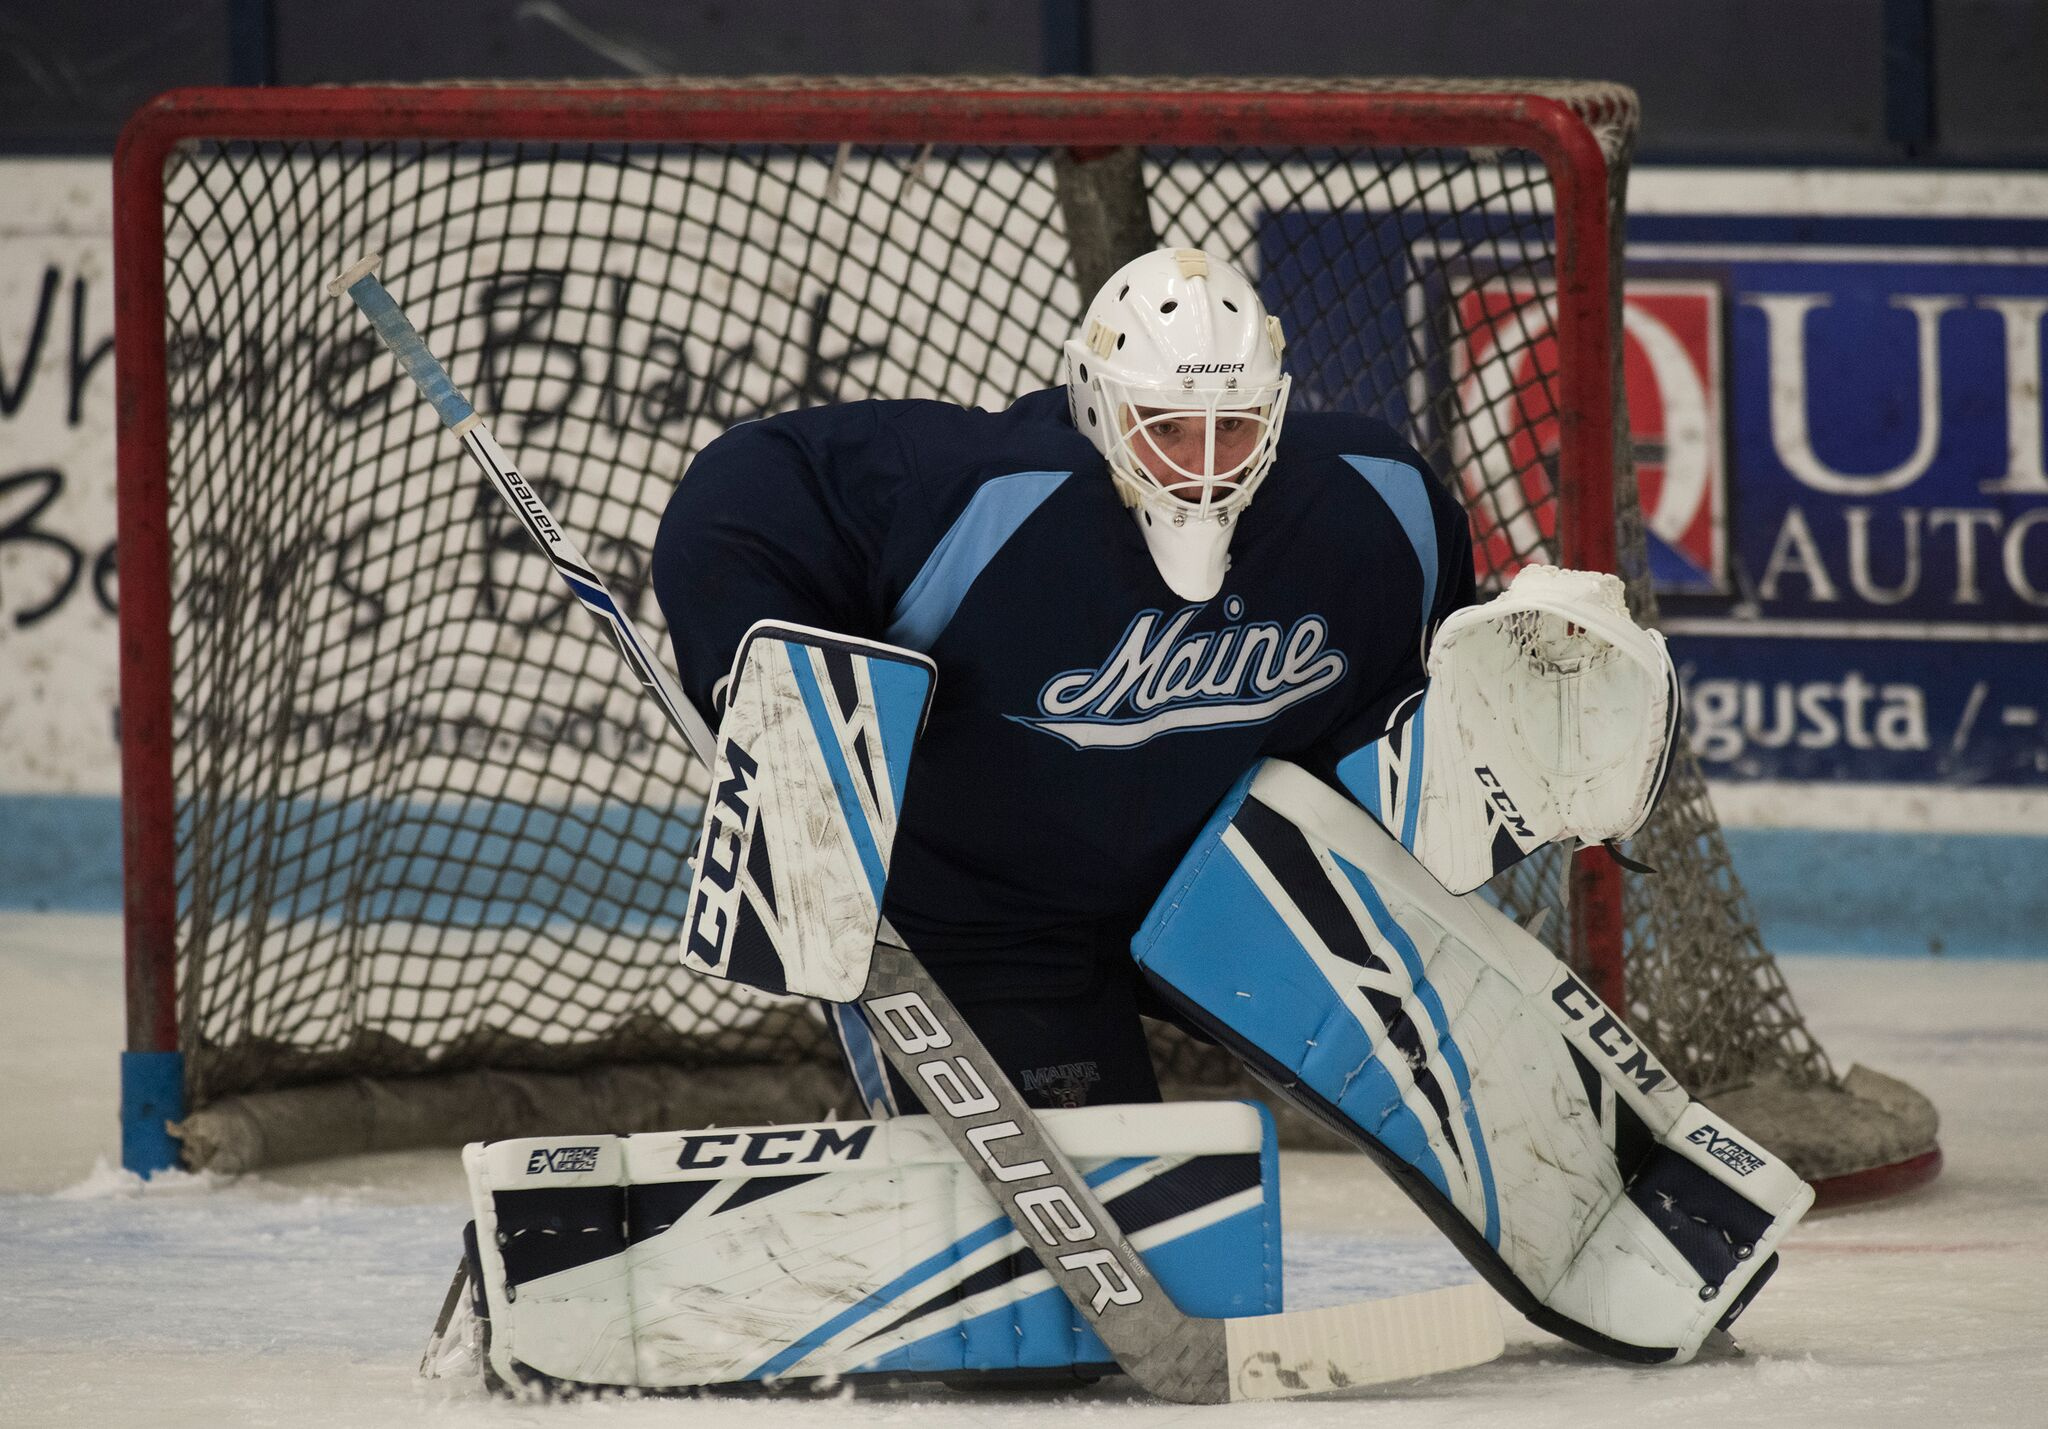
x,y
1175,490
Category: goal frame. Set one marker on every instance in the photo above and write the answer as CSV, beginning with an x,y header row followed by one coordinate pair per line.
x,y
1094,116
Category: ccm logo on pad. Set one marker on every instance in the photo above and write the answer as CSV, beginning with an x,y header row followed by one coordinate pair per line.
x,y
803,1146
728,825
1607,1033
1498,794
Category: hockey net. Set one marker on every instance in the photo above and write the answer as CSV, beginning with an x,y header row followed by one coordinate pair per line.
x,y
407,848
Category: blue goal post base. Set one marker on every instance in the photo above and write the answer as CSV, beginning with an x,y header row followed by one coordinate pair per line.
x,y
152,1096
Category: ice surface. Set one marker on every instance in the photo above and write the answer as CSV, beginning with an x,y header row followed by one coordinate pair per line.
x,y
302,1297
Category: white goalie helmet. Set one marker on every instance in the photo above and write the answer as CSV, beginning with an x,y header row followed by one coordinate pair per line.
x,y
1175,377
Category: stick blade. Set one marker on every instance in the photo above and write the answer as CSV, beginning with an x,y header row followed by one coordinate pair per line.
x,y
1372,1342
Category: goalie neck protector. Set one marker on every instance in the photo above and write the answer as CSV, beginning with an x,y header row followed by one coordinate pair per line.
x,y
1085,719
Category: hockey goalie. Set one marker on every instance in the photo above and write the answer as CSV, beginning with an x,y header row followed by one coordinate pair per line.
x,y
1142,697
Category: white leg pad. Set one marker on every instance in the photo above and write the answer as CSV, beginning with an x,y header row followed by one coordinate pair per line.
x,y
1522,1114
765,1254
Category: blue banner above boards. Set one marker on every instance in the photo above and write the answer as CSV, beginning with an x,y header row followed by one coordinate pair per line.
x,y
1835,401
1810,707
1882,612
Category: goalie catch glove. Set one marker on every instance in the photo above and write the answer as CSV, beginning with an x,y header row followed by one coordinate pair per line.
x,y
1549,714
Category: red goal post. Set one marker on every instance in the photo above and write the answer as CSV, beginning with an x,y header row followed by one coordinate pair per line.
x,y
204,255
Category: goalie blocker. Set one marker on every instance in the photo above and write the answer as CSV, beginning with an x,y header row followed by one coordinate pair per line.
x,y
813,756
1430,1030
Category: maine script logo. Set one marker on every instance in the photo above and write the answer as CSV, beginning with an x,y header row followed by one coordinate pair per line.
x,y
1161,680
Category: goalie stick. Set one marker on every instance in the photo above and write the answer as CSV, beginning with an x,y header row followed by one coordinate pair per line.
x,y
1178,1357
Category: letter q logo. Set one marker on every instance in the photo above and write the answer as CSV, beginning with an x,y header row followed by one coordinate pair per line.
x,y
1505,438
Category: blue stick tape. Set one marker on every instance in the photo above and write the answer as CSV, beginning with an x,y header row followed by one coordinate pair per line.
x,y
404,340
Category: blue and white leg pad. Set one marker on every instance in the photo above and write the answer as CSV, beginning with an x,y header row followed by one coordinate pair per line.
x,y
1429,1029
854,1248
807,785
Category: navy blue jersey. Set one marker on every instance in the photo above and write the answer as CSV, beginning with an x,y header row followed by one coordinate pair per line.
x,y
1085,720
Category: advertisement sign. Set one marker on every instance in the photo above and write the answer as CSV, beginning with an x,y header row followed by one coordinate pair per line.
x,y
1837,428
1883,615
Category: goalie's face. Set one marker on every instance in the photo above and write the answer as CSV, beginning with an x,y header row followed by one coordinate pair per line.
x,y
1194,457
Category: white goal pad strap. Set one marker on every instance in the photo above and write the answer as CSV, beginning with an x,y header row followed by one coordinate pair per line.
x,y
806,789
1549,714
1432,1031
751,1254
